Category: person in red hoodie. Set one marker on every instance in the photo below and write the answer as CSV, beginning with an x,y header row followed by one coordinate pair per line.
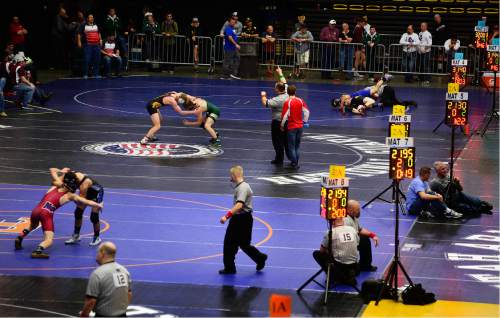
x,y
17,34
294,117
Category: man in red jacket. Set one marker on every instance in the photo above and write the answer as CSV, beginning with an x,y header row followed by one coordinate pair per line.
x,y
17,34
295,113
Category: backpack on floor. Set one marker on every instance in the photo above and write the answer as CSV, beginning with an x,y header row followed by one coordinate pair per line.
x,y
416,295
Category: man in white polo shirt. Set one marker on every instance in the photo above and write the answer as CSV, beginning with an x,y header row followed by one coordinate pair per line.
x,y
108,290
410,43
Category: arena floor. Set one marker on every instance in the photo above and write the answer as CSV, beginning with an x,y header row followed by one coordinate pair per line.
x,y
162,212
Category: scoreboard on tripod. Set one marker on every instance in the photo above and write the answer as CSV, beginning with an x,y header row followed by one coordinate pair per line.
x,y
401,158
480,37
457,109
334,197
493,52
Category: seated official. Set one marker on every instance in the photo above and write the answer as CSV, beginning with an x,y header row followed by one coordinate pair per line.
x,y
364,246
344,250
421,200
453,193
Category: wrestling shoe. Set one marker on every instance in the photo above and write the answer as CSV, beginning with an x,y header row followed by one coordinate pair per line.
x,y
234,77
262,263
3,114
153,139
387,77
450,214
75,238
18,243
227,272
95,241
39,254
145,140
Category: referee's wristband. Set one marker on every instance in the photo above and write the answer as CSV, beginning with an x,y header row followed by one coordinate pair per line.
x,y
229,214
372,235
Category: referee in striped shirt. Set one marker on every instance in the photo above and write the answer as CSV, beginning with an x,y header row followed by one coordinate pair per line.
x,y
344,249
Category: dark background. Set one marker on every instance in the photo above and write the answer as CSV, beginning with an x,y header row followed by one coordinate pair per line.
x,y
37,16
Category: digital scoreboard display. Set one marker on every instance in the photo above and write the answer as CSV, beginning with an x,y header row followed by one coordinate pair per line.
x,y
480,37
492,57
333,202
459,74
457,112
402,163
399,129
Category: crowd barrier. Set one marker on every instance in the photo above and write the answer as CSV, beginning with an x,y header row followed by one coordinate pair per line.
x,y
321,56
178,49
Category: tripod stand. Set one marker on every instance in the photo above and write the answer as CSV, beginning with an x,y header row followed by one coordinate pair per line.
x,y
391,280
493,113
394,190
329,271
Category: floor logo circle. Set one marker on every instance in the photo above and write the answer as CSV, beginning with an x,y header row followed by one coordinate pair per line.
x,y
154,150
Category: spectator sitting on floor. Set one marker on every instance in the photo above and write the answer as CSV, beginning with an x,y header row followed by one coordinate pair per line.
x,y
364,247
420,200
454,195
21,80
111,55
17,34
302,40
237,26
344,249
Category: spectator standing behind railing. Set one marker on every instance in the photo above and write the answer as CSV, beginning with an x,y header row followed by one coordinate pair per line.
x,y
410,43
359,56
302,40
249,33
451,46
194,33
59,39
346,51
150,28
424,53
90,39
440,33
231,61
329,33
4,75
17,34
237,27
169,29
76,59
269,49
301,20
371,40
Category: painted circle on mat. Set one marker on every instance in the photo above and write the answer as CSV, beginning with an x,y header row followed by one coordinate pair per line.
x,y
153,150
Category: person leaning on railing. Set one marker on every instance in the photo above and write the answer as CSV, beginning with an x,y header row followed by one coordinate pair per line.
x,y
410,43
150,28
424,53
302,40
169,29
269,48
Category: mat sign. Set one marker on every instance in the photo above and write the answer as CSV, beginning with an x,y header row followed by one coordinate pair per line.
x,y
154,150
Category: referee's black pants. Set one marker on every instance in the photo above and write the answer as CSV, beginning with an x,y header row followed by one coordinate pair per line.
x,y
239,234
365,253
279,140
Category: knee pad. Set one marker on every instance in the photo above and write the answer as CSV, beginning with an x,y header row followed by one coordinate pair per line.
x,y
78,213
94,218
